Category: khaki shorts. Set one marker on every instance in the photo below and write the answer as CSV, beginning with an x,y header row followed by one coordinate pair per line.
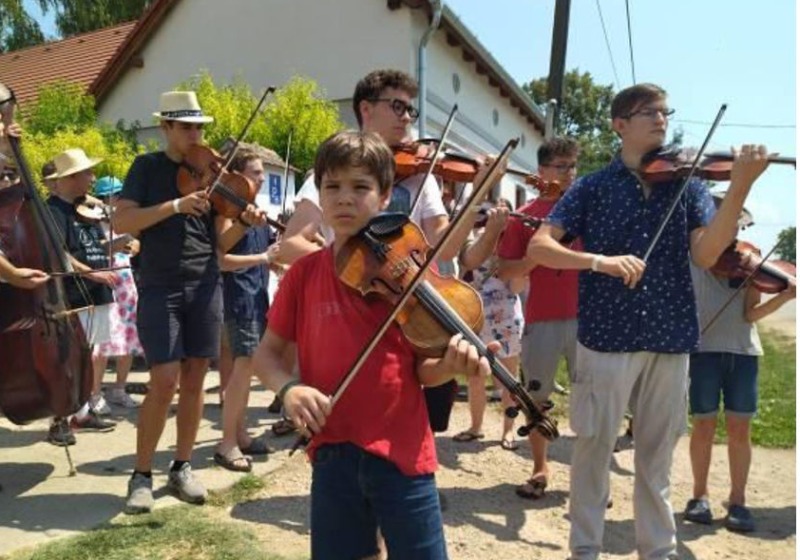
x,y
543,344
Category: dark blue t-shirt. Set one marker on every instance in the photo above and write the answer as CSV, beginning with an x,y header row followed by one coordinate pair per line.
x,y
245,291
609,211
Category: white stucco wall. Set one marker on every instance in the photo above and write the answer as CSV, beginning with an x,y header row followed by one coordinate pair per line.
x,y
265,42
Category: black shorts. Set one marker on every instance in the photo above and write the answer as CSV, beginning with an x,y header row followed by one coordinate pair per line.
x,y
177,322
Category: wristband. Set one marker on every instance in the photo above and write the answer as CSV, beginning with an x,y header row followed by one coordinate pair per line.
x,y
283,390
176,205
596,262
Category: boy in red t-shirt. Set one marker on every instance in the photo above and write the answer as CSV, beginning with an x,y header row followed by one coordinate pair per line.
x,y
373,455
551,309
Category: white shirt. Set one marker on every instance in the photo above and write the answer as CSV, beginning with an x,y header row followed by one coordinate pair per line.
x,y
430,202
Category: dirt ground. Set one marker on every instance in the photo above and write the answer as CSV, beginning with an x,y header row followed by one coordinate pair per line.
x,y
484,516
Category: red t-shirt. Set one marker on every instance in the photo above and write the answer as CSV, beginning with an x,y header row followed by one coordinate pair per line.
x,y
553,293
383,410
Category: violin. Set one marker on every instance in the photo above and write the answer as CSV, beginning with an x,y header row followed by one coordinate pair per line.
x,y
92,210
670,163
384,258
415,157
229,192
742,260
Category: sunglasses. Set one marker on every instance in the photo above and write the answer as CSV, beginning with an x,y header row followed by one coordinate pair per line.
x,y
8,175
399,107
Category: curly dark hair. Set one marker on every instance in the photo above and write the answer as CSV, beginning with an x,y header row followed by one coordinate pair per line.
x,y
373,84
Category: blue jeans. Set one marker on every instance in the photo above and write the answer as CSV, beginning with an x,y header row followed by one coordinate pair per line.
x,y
732,376
354,493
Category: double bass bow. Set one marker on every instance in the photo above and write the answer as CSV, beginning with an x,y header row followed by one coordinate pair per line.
x,y
46,368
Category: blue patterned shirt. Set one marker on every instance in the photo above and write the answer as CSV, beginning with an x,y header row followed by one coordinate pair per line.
x,y
608,210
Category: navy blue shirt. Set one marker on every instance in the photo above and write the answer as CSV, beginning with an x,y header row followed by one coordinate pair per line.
x,y
609,211
245,291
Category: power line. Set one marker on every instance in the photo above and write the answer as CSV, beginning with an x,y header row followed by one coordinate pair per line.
x,y
738,125
630,40
608,44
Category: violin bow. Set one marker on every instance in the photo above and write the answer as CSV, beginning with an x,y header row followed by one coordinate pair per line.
x,y
493,175
286,173
235,148
695,164
743,285
437,151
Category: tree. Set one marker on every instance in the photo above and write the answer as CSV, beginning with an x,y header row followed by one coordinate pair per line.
x,y
296,108
787,245
585,115
64,117
17,28
80,16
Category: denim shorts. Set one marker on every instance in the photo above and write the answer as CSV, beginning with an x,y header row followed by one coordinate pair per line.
x,y
244,335
734,377
353,493
177,322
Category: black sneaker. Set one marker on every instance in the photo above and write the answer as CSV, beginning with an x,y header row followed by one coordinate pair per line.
x,y
91,423
739,520
698,510
60,433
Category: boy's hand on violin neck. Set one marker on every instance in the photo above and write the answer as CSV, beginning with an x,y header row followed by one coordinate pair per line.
x,y
195,204
628,267
307,408
496,219
749,163
461,357
253,216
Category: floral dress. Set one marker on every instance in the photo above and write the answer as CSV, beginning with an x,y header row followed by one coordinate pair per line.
x,y
122,316
502,309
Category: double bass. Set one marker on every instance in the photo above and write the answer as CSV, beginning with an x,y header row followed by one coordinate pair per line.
x,y
45,359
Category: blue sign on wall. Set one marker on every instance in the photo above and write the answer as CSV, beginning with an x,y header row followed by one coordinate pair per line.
x,y
275,196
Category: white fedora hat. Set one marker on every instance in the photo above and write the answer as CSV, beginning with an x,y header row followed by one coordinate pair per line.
x,y
181,106
72,161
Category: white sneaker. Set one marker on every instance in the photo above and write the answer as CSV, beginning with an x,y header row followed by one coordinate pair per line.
x,y
99,405
119,397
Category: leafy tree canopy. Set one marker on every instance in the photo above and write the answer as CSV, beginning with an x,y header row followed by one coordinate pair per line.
x,y
585,115
787,245
17,28
297,108
81,16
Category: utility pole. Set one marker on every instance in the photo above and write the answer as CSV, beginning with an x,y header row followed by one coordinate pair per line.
x,y
558,56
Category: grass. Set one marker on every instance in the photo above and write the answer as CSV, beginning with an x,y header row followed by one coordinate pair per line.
x,y
244,489
175,533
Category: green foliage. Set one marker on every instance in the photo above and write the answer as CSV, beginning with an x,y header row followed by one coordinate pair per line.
x,y
297,107
585,115
17,28
64,117
80,16
787,245
300,110
60,106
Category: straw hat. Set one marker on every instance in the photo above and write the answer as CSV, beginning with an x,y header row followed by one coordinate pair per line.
x,y
72,161
181,106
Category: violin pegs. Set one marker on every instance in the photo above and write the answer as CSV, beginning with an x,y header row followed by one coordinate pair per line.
x,y
512,412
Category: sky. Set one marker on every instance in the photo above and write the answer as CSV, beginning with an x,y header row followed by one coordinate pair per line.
x,y
703,52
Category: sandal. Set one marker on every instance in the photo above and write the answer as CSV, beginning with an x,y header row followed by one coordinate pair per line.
x,y
258,446
283,426
533,489
466,435
234,461
509,444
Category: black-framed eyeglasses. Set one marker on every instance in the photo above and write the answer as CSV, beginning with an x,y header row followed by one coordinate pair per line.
x,y
9,175
400,107
652,113
562,167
